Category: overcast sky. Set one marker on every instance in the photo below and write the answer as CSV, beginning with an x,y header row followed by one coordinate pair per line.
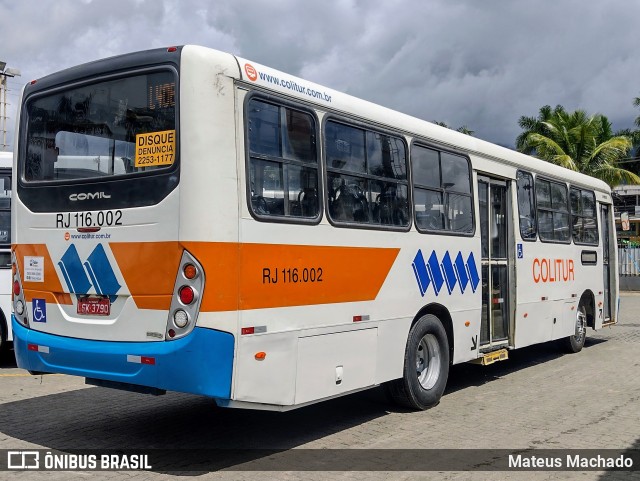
x,y
479,63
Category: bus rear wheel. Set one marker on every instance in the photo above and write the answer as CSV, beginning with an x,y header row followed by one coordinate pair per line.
x,y
575,342
426,366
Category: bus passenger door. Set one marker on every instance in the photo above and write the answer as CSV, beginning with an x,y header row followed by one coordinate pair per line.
x,y
605,219
494,216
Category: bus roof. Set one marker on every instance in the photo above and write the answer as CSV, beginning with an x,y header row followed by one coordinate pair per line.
x,y
253,73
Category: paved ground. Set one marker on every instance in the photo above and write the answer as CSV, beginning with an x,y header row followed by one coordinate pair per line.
x,y
539,399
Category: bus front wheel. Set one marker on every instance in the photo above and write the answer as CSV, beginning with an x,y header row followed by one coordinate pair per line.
x,y
426,366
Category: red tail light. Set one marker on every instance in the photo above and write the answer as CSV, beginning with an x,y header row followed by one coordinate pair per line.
x,y
16,288
186,295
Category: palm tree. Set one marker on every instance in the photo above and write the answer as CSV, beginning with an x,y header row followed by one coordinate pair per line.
x,y
535,125
464,129
577,141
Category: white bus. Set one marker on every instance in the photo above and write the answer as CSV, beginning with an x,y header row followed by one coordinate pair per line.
x,y
189,220
6,163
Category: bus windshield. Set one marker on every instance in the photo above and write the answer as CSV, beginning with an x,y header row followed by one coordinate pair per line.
x,y
113,127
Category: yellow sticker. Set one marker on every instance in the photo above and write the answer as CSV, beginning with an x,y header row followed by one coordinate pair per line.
x,y
155,148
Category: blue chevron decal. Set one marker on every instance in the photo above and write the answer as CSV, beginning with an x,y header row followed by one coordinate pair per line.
x,y
448,272
96,272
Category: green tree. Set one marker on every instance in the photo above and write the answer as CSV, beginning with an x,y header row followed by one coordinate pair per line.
x,y
636,103
578,141
464,129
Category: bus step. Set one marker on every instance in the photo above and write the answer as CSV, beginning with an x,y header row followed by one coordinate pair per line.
x,y
491,357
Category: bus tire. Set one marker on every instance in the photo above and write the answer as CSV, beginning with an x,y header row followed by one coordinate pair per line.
x,y
575,342
426,366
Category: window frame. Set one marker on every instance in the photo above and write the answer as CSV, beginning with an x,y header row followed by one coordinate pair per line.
x,y
472,195
143,189
582,190
543,178
365,175
280,102
82,83
535,205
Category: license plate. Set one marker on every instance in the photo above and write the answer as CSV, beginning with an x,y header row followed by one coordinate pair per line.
x,y
94,306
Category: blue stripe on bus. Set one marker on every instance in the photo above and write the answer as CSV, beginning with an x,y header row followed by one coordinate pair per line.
x,y
101,272
473,272
200,363
461,271
420,270
435,273
449,273
73,272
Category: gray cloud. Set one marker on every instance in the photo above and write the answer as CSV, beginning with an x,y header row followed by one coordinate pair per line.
x,y
482,64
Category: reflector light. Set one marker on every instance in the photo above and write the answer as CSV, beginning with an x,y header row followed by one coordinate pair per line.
x,y
172,49
36,348
141,359
16,288
247,330
180,318
190,271
186,295
260,356
357,318
172,333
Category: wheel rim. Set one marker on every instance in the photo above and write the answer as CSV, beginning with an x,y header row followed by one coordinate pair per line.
x,y
428,361
581,325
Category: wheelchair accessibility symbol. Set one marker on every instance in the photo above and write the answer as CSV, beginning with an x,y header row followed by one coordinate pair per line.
x,y
39,310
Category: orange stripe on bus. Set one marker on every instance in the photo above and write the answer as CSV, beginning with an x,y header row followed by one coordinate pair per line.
x,y
258,276
238,276
51,282
149,269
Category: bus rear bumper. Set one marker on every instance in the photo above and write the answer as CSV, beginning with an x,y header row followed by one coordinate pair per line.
x,y
200,363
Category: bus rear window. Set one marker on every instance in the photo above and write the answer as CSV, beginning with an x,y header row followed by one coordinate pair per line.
x,y
114,127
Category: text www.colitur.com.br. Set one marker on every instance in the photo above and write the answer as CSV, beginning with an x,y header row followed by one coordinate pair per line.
x,y
291,85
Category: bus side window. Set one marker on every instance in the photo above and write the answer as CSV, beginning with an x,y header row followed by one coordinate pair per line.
x,y
441,191
366,176
553,211
283,164
526,206
583,217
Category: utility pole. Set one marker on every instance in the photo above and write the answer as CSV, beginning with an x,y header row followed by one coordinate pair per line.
x,y
4,74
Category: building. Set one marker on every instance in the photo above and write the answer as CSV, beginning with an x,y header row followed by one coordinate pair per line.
x,y
626,200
